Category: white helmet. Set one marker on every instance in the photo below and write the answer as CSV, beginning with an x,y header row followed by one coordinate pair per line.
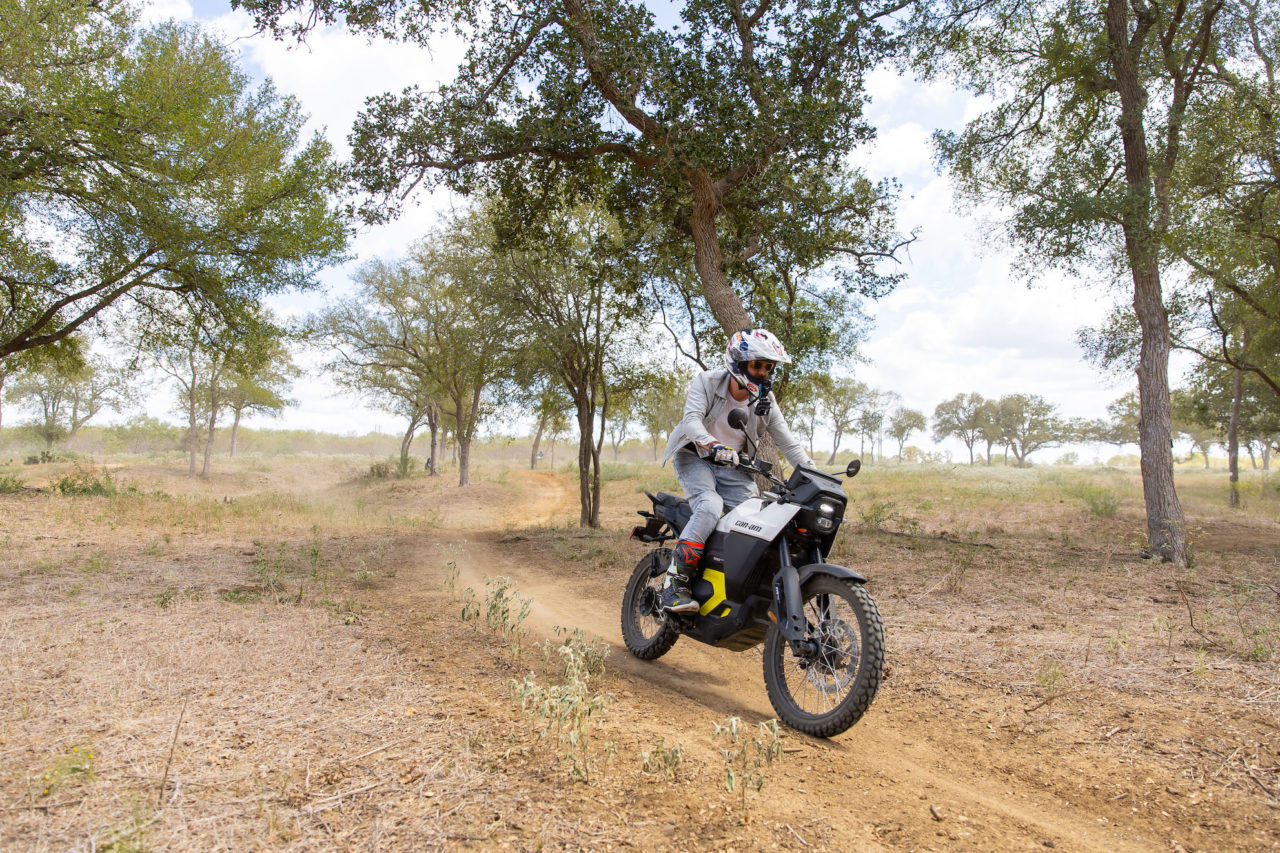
x,y
754,345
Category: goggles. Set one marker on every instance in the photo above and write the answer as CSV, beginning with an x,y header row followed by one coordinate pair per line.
x,y
761,366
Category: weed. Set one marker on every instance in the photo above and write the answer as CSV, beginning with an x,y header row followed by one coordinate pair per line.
x,y
82,482
878,514
451,572
568,709
97,564
241,595
505,610
166,597
1118,644
1053,680
11,484
747,757
470,607
663,759
74,766
382,470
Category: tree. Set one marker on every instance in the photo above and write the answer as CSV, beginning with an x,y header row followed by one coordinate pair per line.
x,y
551,406
720,129
259,380
903,422
1028,422
67,392
137,163
661,404
196,348
1084,142
427,331
568,290
803,398
840,400
871,416
960,417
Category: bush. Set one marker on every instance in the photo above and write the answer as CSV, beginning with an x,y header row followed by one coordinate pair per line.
x,y
11,484
82,482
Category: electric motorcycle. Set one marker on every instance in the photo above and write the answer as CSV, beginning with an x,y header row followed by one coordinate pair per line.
x,y
764,578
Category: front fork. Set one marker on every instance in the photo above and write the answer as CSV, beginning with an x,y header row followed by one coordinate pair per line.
x,y
788,605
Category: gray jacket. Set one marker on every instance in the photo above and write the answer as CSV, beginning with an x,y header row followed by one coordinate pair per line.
x,y
708,393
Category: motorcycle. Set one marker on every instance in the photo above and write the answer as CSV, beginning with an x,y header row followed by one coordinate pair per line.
x,y
764,578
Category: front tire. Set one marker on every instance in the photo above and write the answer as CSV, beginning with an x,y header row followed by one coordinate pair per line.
x,y
826,693
645,628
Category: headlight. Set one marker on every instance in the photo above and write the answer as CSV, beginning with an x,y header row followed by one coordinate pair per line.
x,y
826,510
826,515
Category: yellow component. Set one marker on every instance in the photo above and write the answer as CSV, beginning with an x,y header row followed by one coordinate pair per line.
x,y
716,579
724,613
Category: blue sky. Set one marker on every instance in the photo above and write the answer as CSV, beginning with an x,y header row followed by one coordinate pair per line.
x,y
960,322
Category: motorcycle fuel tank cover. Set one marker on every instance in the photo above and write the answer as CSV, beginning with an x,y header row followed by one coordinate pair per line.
x,y
754,517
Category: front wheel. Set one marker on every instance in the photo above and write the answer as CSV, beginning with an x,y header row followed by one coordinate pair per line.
x,y
645,628
824,693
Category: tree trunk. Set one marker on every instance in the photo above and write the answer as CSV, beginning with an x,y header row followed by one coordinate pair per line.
x,y
708,260
1166,525
208,440
235,429
406,441
537,439
462,446
433,423
1233,438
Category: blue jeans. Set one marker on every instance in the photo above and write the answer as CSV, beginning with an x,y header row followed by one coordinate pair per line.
x,y
711,489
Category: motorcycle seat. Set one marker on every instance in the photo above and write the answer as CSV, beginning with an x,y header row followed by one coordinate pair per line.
x,y
674,508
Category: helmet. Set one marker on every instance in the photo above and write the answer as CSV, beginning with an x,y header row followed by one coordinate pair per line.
x,y
753,345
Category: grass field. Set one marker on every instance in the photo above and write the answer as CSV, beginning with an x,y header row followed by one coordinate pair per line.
x,y
295,654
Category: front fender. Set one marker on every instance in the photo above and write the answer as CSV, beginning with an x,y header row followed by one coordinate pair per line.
x,y
832,569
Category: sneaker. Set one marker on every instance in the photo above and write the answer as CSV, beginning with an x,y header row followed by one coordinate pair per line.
x,y
676,597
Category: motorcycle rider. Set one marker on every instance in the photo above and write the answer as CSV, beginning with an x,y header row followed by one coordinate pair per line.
x,y
703,447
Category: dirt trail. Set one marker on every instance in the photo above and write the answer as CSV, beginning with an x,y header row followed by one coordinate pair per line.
x,y
931,766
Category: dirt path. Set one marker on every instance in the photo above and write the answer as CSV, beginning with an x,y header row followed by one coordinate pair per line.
x,y
938,763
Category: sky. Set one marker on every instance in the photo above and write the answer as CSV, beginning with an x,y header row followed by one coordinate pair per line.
x,y
962,321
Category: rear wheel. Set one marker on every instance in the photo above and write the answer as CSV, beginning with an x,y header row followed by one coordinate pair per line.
x,y
826,692
645,628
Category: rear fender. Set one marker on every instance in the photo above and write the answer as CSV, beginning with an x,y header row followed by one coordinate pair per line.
x,y
831,569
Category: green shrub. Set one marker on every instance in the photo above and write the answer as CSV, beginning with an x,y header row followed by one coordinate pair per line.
x,y
82,482
11,484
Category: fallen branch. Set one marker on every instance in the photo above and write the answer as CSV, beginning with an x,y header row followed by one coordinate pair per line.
x,y
172,745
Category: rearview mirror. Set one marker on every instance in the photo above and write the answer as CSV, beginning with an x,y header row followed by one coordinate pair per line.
x,y
738,418
854,467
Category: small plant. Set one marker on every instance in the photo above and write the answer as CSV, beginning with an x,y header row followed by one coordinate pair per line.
x,y
747,757
663,759
82,482
11,484
505,610
166,598
382,470
569,708
74,766
1053,680
1118,644
470,606
451,573
877,515
1101,501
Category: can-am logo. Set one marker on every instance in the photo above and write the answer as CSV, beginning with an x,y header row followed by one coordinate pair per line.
x,y
746,525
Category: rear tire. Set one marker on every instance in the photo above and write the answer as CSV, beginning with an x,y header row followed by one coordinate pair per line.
x,y
826,694
645,628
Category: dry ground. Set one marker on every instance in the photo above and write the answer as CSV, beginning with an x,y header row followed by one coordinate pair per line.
x,y
275,658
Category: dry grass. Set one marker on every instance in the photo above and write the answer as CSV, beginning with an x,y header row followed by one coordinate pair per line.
x,y
326,704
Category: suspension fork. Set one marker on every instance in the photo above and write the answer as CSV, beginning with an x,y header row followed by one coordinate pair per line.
x,y
788,604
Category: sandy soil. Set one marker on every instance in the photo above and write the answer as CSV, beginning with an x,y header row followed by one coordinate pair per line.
x,y
248,678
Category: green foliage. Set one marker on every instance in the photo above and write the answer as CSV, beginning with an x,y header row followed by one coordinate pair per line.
x,y
83,482
156,165
747,756
663,759
11,484
72,767
569,709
